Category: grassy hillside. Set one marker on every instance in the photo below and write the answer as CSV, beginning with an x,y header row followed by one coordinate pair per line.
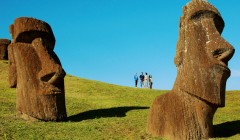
x,y
98,110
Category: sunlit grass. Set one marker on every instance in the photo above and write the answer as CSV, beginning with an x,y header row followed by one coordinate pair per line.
x,y
98,110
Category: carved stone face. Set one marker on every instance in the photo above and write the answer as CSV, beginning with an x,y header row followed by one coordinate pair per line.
x,y
202,54
36,71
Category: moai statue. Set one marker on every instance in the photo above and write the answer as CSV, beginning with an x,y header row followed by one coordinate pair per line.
x,y
36,71
202,55
4,49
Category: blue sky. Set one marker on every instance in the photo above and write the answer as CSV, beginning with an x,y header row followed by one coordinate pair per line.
x,y
110,40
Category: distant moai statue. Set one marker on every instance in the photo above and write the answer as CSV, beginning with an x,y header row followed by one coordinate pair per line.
x,y
202,55
36,71
4,49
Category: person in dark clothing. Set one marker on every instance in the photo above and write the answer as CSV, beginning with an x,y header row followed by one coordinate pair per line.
x,y
141,79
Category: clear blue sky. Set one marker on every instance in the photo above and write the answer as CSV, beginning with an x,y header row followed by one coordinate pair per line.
x,y
110,40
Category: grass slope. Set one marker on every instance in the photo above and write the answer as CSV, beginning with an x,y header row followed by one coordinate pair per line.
x,y
98,110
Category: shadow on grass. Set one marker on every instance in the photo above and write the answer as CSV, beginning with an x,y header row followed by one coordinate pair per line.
x,y
99,113
227,129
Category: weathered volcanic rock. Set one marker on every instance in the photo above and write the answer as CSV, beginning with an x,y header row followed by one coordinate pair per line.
x,y
36,71
4,49
186,112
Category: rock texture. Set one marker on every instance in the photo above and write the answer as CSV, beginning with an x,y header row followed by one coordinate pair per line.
x,y
36,71
4,49
202,55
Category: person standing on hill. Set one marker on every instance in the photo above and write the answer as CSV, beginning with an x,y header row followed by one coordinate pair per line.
x,y
141,79
136,79
146,80
150,81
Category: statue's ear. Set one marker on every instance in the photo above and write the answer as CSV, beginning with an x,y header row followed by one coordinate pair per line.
x,y
11,29
180,45
12,76
179,56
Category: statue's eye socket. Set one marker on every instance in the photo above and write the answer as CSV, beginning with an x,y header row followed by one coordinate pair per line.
x,y
219,23
29,36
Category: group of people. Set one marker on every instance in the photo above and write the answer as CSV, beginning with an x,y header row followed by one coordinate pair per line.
x,y
145,80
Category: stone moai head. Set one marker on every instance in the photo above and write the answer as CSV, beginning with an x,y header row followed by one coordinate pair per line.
x,y
36,71
202,54
4,49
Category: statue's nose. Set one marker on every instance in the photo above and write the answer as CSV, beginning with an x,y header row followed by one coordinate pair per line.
x,y
51,69
216,45
223,54
220,48
53,77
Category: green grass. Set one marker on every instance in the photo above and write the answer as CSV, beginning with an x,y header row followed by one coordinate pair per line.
x,y
103,111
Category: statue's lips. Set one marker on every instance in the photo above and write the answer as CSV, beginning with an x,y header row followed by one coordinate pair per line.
x,y
222,68
56,91
49,89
